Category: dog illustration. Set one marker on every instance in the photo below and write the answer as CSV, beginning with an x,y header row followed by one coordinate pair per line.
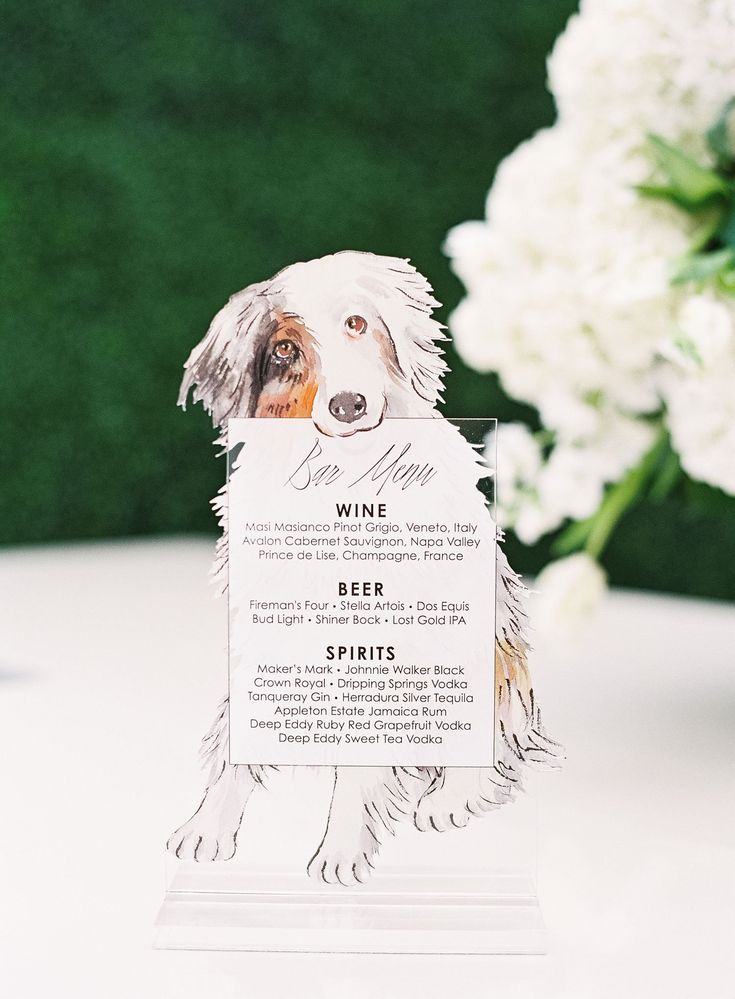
x,y
349,340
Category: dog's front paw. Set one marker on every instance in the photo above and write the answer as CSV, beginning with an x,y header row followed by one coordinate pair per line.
x,y
335,867
452,805
196,841
435,811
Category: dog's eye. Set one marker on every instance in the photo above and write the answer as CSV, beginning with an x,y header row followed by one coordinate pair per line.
x,y
356,325
285,350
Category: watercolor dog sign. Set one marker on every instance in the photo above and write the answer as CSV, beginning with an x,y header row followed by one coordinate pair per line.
x,y
375,626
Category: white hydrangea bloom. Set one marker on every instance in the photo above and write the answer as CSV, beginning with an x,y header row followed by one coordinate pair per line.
x,y
704,334
701,418
570,484
520,460
698,389
569,590
619,445
624,68
568,278
567,265
535,496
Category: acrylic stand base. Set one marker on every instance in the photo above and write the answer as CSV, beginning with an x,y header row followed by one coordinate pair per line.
x,y
466,891
395,914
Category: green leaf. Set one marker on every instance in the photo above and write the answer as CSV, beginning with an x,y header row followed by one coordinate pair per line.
x,y
667,476
709,226
573,537
726,280
623,495
692,184
726,228
661,192
720,138
702,266
704,500
687,349
594,533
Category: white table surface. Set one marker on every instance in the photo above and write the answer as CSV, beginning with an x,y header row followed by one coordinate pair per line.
x,y
101,643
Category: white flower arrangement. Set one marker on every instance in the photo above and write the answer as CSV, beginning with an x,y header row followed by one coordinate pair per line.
x,y
601,284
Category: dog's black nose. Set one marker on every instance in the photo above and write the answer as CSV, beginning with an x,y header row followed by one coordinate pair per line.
x,y
348,406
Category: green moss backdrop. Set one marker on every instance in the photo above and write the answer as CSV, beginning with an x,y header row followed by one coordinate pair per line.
x,y
159,155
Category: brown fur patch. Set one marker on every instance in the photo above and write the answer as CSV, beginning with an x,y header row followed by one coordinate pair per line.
x,y
388,352
511,671
290,392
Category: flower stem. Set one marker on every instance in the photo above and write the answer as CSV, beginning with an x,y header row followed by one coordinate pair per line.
x,y
622,496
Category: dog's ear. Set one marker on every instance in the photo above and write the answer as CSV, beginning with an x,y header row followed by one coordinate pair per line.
x,y
220,368
415,334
